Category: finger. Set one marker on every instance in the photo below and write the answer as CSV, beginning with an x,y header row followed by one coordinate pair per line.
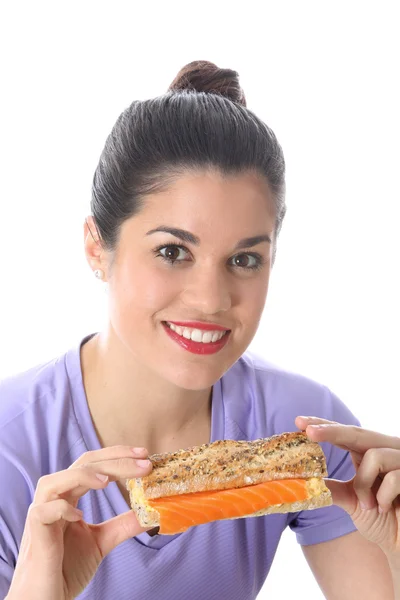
x,y
374,462
113,452
122,468
303,422
113,532
389,490
78,481
343,494
75,482
43,529
351,437
51,512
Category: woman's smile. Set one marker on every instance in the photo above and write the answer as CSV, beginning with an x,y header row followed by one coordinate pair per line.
x,y
198,338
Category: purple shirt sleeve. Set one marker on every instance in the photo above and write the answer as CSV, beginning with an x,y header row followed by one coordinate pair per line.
x,y
323,524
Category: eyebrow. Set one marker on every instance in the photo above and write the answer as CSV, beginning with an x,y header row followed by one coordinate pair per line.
x,y
190,238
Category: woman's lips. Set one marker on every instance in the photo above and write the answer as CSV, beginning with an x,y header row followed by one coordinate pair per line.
x,y
197,347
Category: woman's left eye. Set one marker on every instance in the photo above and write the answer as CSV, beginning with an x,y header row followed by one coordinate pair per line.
x,y
247,261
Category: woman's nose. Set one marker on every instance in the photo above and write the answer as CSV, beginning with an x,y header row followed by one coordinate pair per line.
x,y
207,292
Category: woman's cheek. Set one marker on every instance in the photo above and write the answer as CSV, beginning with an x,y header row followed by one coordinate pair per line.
x,y
253,297
147,290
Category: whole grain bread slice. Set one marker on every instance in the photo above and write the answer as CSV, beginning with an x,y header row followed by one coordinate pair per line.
x,y
231,464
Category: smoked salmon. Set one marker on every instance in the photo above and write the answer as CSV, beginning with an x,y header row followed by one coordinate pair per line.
x,y
178,513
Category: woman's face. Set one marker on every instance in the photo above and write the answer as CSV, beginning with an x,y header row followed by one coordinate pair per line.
x,y
193,265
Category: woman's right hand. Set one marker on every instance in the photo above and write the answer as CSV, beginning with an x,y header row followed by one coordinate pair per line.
x,y
60,552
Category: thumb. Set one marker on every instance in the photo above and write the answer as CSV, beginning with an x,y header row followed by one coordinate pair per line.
x,y
343,494
113,532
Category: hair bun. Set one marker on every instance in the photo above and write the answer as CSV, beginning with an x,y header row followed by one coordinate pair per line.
x,y
204,76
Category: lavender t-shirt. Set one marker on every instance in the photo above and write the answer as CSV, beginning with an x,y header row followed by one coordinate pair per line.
x,y
45,425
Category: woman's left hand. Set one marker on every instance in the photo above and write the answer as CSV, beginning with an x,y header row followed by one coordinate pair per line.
x,y
372,497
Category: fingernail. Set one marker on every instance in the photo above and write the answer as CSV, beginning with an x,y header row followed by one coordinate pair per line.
x,y
380,510
306,418
101,477
316,426
139,450
365,506
143,463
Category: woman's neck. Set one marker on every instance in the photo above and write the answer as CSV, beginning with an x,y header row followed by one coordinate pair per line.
x,y
130,405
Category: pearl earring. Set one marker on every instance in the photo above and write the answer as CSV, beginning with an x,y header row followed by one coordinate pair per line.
x,y
99,274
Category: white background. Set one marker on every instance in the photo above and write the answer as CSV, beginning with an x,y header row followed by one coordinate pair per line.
x,y
323,76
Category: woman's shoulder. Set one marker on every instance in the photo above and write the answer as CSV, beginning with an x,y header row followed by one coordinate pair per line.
x,y
265,398
254,372
22,391
38,422
36,404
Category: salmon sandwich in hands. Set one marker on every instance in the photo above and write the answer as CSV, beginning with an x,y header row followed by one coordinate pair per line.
x,y
230,479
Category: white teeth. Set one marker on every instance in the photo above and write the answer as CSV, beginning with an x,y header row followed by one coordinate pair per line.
x,y
179,330
207,337
196,335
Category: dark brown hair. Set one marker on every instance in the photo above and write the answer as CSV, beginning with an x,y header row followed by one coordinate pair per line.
x,y
201,122
204,76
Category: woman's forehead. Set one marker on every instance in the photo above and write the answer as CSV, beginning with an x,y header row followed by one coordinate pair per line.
x,y
209,200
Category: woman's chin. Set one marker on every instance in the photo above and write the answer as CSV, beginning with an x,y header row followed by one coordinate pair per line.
x,y
196,377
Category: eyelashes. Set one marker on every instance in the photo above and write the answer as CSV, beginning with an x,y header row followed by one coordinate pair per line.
x,y
175,253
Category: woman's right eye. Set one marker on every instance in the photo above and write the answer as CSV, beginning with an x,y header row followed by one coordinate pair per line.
x,y
172,253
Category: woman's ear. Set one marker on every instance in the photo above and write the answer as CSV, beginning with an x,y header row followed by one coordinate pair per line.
x,y
95,253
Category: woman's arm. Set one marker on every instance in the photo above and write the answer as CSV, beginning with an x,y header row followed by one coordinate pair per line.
x,y
351,567
372,499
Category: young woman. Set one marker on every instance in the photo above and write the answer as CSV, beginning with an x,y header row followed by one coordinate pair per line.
x,y
187,205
